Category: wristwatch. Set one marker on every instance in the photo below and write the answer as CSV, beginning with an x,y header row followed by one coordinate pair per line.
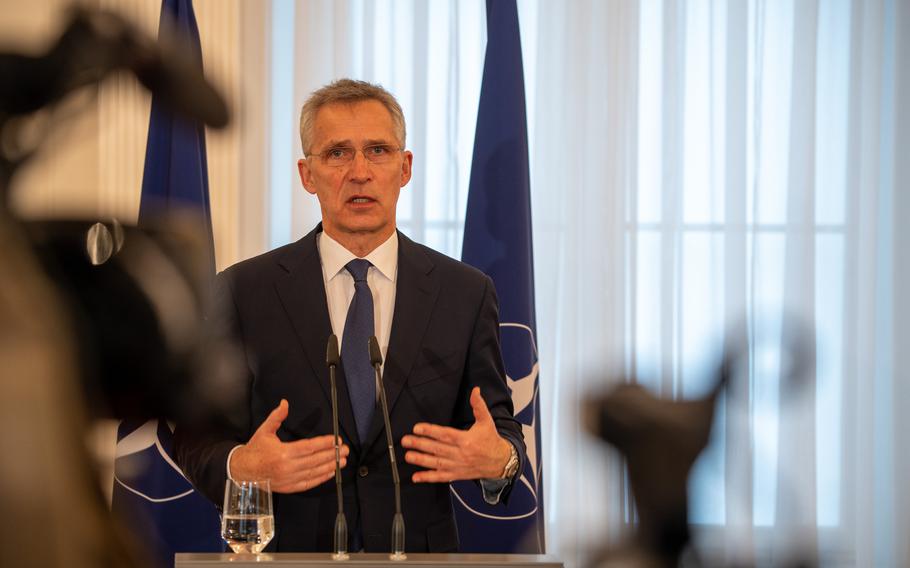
x,y
512,465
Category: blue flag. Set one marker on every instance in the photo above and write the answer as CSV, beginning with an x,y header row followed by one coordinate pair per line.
x,y
497,240
149,489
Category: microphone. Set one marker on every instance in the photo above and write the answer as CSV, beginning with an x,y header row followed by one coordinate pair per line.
x,y
341,523
398,519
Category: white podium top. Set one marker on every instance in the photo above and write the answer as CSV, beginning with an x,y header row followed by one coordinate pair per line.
x,y
364,560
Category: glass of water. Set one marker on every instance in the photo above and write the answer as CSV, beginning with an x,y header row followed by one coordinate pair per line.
x,y
247,524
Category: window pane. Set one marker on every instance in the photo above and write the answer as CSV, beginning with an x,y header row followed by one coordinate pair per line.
x,y
438,159
702,309
648,310
832,111
707,484
444,239
768,291
650,104
771,105
702,326
829,321
702,113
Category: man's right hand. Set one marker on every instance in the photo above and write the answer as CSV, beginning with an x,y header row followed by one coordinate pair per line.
x,y
291,467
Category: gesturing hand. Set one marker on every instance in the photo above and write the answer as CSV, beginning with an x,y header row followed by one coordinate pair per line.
x,y
450,454
290,466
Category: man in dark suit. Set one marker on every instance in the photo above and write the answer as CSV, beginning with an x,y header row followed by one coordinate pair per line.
x,y
355,275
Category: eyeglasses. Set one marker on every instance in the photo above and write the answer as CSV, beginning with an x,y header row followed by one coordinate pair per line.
x,y
344,155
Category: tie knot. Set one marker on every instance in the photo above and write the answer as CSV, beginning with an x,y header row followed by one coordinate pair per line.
x,y
358,269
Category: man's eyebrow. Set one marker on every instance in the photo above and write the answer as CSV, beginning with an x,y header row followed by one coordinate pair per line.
x,y
347,143
338,144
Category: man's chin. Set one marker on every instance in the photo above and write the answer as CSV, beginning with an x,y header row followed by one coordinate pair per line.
x,y
367,229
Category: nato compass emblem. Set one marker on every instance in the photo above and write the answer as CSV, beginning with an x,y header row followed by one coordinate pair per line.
x,y
145,467
519,351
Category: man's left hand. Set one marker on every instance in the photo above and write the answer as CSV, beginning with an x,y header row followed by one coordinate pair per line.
x,y
450,454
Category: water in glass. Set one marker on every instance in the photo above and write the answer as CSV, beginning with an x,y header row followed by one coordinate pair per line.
x,y
247,524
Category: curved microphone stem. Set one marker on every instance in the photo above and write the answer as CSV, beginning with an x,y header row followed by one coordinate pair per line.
x,y
341,523
398,519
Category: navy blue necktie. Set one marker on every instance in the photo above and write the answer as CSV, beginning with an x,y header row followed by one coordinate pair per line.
x,y
355,351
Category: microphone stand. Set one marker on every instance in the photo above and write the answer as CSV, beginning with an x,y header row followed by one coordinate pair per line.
x,y
398,520
341,523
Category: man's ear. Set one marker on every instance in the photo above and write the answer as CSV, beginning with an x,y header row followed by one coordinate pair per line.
x,y
406,165
306,175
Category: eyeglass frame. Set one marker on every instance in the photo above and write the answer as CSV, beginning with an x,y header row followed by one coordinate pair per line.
x,y
322,155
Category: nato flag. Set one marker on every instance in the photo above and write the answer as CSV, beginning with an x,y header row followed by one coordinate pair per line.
x,y
149,488
497,240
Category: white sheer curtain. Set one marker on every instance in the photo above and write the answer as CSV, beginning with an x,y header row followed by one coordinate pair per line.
x,y
692,162
429,54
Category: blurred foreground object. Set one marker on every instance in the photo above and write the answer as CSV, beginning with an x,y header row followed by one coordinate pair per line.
x,y
95,319
52,511
150,491
137,299
94,45
660,440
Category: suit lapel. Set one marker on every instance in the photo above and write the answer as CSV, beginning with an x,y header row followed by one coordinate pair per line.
x,y
415,295
302,293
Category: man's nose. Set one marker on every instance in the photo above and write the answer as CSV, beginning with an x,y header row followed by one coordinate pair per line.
x,y
360,167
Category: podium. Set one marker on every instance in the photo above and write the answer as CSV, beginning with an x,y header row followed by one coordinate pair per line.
x,y
363,560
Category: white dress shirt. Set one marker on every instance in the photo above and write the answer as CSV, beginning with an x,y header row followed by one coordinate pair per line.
x,y
339,285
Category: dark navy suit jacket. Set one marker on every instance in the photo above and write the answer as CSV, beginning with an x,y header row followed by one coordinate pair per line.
x,y
444,341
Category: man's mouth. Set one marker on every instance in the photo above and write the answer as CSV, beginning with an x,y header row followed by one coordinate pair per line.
x,y
358,199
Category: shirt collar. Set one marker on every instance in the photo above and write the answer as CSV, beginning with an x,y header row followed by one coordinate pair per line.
x,y
334,256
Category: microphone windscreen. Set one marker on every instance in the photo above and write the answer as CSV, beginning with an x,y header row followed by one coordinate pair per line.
x,y
331,351
375,352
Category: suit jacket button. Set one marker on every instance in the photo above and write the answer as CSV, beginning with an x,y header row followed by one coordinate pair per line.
x,y
363,471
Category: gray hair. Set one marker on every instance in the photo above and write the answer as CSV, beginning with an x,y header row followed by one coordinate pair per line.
x,y
347,91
